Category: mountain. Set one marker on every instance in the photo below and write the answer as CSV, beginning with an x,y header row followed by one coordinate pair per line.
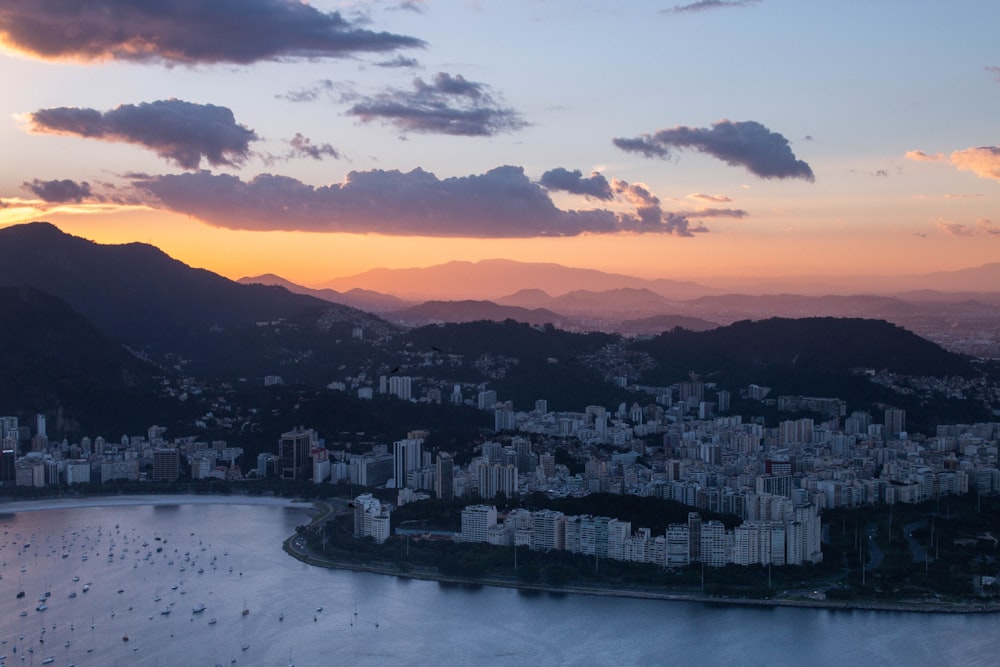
x,y
807,345
54,361
494,278
471,311
137,293
367,300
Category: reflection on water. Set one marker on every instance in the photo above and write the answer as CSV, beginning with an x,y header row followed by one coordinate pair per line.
x,y
139,572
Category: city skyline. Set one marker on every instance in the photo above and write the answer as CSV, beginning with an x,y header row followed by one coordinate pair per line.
x,y
659,139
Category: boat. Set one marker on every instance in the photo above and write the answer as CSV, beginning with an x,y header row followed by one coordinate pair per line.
x,y
20,595
246,609
198,608
281,616
245,647
212,621
48,660
165,611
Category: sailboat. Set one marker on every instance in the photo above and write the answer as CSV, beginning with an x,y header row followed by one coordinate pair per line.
x,y
246,609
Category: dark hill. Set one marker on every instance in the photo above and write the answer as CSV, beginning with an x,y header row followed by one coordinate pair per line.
x,y
53,361
822,344
521,362
134,291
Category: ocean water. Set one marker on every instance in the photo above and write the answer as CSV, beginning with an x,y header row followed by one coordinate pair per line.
x,y
228,557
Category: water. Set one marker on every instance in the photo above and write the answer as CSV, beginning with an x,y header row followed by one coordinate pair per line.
x,y
377,620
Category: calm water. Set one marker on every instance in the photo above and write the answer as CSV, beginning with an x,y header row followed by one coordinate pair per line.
x,y
376,620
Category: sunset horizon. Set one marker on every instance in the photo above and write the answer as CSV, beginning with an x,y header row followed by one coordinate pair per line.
x,y
375,135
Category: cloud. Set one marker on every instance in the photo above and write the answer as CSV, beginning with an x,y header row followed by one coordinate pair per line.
x,y
743,143
715,199
717,213
304,147
955,228
650,215
310,94
182,132
595,185
984,161
920,156
962,196
185,32
398,61
59,191
447,105
705,5
983,227
994,70
501,203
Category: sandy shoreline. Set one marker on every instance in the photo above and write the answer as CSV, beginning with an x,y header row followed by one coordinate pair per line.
x,y
11,506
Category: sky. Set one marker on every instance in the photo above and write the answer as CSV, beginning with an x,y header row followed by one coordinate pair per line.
x,y
653,138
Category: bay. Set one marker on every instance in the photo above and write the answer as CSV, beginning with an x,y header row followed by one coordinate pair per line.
x,y
309,616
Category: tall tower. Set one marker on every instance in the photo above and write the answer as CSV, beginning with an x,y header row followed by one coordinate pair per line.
x,y
895,422
294,453
444,481
407,456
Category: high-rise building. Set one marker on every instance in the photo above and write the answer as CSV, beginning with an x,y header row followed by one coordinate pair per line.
x,y
895,422
694,537
166,464
497,478
371,518
477,521
401,386
444,481
407,456
294,452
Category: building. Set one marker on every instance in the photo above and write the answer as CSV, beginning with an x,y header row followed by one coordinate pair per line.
x,y
477,521
497,478
407,457
294,452
444,481
371,518
166,464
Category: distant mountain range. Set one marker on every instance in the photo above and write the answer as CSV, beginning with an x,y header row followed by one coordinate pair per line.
x,y
494,279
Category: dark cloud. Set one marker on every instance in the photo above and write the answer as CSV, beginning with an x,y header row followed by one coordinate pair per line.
x,y
59,191
595,185
447,105
705,5
304,147
398,61
182,132
744,143
501,203
994,70
185,32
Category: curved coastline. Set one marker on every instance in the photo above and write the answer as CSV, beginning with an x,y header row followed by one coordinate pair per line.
x,y
323,510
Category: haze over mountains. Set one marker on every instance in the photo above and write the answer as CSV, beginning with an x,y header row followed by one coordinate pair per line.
x,y
496,278
959,309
